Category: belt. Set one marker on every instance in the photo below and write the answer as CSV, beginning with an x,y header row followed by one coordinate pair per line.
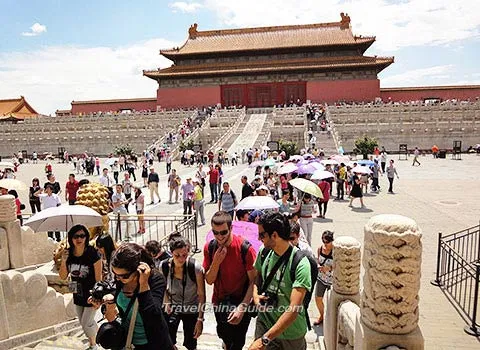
x,y
306,217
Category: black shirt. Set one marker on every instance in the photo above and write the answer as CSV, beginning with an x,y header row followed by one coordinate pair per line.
x,y
55,185
153,177
82,272
247,190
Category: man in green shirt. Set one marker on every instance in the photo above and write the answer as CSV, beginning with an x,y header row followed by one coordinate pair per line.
x,y
281,322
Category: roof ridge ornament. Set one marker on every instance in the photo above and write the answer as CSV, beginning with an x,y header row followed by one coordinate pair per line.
x,y
192,31
345,22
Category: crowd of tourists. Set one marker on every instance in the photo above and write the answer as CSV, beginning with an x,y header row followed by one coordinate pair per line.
x,y
148,289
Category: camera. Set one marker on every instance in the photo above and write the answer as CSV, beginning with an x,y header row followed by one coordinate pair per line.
x,y
271,301
102,288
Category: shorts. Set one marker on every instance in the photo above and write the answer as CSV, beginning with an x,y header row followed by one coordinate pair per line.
x,y
321,288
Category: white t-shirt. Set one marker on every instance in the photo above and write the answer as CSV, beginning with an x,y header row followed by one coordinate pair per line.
x,y
106,181
49,201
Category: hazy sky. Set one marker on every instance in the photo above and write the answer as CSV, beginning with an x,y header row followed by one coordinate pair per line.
x,y
54,51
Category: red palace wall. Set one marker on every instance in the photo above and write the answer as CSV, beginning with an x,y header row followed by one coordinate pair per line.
x,y
84,108
418,94
332,91
188,97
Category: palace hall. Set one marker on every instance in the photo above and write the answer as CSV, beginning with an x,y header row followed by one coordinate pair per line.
x,y
266,66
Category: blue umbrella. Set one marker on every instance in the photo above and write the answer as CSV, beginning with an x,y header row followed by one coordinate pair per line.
x,y
366,162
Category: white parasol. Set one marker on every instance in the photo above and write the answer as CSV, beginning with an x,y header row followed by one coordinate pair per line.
x,y
63,218
257,202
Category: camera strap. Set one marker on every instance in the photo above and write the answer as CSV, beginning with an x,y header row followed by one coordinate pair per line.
x,y
124,314
283,259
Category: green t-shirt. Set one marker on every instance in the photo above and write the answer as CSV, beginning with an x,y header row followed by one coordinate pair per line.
x,y
139,335
298,328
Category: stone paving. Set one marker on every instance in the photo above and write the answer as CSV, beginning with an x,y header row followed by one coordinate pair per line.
x,y
441,195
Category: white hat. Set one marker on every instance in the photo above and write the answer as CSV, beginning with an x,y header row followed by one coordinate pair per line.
x,y
262,187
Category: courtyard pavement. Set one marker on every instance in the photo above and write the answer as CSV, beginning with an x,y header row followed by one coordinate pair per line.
x,y
440,195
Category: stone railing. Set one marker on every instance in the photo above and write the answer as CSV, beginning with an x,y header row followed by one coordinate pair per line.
x,y
333,129
220,141
193,136
386,312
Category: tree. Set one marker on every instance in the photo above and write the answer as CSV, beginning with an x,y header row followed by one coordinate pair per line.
x,y
365,146
126,150
289,147
186,145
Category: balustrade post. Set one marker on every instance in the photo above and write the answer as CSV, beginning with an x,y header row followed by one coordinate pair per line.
x,y
474,329
436,281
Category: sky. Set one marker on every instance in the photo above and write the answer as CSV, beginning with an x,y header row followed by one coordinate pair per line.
x,y
56,51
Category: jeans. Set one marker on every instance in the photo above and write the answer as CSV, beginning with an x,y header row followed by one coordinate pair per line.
x,y
87,321
188,321
213,192
390,188
35,206
199,206
375,186
169,167
340,189
187,207
307,226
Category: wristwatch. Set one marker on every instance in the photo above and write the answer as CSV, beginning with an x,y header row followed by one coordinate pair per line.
x,y
265,340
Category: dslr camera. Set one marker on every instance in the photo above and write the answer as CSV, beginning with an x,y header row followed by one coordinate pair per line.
x,y
271,301
102,288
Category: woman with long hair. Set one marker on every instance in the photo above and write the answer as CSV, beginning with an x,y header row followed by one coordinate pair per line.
x,y
82,264
325,277
34,200
106,246
138,281
140,206
306,210
185,294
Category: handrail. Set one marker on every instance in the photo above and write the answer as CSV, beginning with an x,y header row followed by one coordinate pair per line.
x,y
176,151
220,141
458,273
333,129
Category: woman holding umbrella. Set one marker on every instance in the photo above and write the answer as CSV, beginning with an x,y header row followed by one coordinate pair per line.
x,y
82,263
306,210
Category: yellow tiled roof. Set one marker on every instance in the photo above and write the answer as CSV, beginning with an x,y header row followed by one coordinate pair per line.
x,y
265,38
17,107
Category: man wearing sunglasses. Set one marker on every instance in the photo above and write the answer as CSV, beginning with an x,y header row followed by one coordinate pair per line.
x,y
281,321
228,262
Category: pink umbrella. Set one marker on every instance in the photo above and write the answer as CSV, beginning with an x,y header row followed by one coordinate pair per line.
x,y
247,230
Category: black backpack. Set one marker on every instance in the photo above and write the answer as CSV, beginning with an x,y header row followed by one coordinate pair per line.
x,y
213,245
297,257
165,267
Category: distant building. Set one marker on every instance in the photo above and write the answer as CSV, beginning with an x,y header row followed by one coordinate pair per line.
x,y
113,106
13,110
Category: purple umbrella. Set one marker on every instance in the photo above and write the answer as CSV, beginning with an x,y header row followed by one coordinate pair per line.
x,y
247,230
309,168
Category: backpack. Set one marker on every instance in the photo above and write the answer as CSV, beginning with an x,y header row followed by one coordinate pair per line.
x,y
165,266
297,257
213,245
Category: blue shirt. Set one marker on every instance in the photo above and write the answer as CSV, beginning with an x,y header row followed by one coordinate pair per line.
x,y
139,335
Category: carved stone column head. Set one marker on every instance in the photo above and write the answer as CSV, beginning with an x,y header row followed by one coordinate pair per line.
x,y
392,260
8,208
346,265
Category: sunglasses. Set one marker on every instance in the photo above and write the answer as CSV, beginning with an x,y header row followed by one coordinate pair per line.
x,y
261,235
79,236
326,241
292,238
123,276
221,233
180,255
